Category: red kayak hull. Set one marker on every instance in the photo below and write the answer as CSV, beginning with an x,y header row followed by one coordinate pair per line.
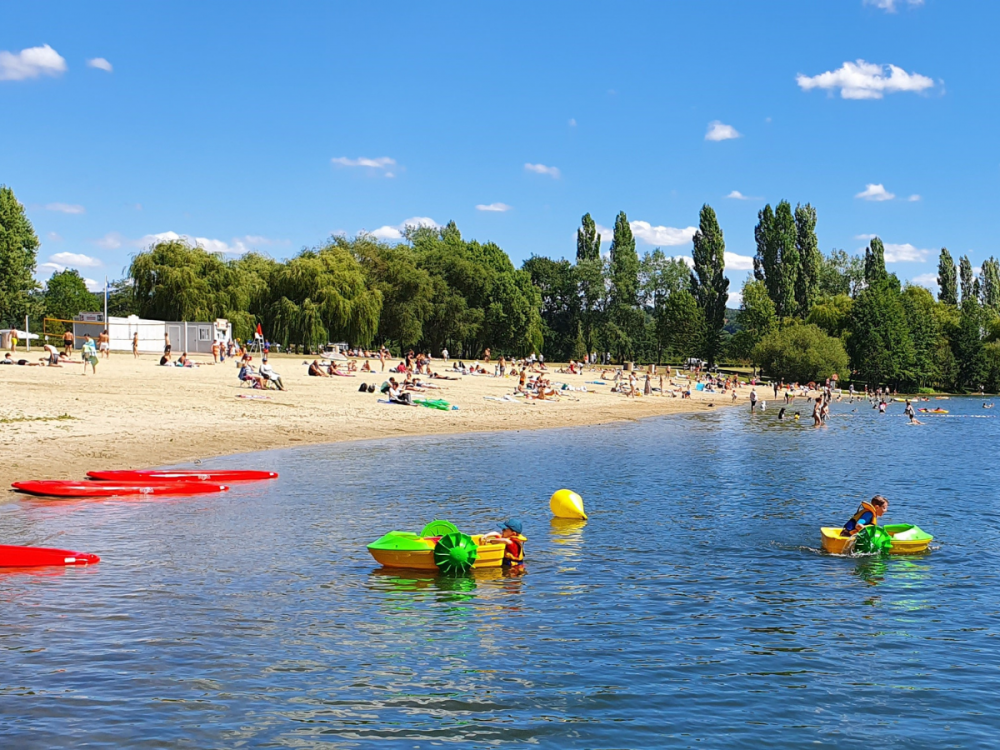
x,y
34,557
183,476
110,489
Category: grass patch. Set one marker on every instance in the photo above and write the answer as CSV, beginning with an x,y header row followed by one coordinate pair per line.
x,y
12,420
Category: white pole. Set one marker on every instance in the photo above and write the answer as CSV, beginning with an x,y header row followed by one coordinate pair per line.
x,y
106,309
27,335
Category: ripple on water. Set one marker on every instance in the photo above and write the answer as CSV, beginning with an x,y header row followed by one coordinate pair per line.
x,y
693,608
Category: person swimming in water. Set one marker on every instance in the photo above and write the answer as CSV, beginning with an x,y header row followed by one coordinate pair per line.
x,y
867,514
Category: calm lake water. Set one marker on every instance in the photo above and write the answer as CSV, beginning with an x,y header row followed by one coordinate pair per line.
x,y
692,609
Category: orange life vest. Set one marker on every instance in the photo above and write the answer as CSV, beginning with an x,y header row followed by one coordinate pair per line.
x,y
852,527
513,552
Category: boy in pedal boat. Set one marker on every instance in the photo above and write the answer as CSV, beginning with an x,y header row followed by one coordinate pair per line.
x,y
867,514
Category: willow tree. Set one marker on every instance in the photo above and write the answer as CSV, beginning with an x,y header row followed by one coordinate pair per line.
x,y
322,293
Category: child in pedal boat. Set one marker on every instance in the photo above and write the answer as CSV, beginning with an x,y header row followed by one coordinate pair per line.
x,y
867,514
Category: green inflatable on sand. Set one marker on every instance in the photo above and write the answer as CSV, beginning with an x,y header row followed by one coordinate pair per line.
x,y
455,553
872,540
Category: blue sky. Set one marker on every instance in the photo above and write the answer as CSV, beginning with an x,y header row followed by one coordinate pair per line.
x,y
270,125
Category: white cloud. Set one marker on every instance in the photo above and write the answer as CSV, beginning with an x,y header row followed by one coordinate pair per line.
x,y
542,169
718,131
738,196
736,262
662,236
572,122
500,207
50,268
54,236
875,192
890,6
905,253
101,64
235,246
865,237
928,280
110,241
31,63
75,260
382,162
92,285
607,234
735,299
388,232
913,198
864,80
65,208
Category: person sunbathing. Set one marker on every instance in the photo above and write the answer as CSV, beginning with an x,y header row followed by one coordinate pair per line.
x,y
335,370
316,371
366,367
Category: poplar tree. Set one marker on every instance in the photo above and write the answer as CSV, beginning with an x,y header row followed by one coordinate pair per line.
x,y
709,284
626,319
18,251
874,261
880,345
588,240
967,277
777,261
810,259
991,284
947,279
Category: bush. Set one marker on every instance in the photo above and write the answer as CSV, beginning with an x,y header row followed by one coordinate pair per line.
x,y
801,353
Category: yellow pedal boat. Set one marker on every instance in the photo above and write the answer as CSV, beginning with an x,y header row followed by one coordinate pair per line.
x,y
836,544
404,549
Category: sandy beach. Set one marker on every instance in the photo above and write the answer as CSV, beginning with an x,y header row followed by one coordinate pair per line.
x,y
57,423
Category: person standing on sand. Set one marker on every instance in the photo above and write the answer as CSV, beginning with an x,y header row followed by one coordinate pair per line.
x,y
135,345
647,389
104,344
68,343
381,357
486,355
215,351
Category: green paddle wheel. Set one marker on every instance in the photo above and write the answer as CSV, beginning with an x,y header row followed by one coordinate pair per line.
x,y
872,540
455,553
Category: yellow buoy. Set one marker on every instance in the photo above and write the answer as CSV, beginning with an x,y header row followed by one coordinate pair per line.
x,y
567,504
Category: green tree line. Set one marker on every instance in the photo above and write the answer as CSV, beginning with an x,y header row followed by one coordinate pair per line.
x,y
804,315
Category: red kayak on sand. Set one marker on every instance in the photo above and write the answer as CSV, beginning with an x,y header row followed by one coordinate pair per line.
x,y
33,557
183,476
148,486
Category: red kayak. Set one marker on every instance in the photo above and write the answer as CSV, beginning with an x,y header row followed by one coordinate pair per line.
x,y
183,476
110,489
33,557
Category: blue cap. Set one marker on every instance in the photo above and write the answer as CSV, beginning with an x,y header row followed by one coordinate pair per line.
x,y
513,524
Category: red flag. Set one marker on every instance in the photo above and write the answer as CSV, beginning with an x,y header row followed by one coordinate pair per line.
x,y
259,331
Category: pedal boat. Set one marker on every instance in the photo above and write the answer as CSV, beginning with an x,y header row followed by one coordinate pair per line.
x,y
404,549
836,544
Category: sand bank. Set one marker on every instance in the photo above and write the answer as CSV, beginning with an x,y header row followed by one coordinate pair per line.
x,y
56,423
